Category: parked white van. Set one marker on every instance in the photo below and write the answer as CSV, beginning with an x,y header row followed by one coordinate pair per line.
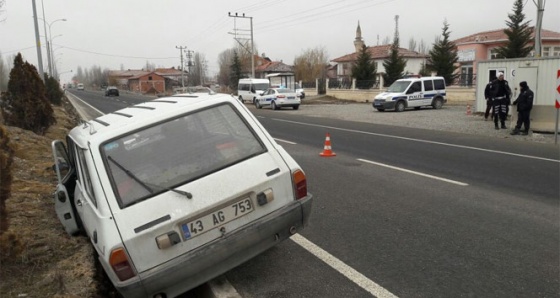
x,y
161,190
249,89
412,93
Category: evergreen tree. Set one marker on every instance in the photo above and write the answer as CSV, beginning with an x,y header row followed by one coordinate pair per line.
x,y
443,56
519,43
53,91
364,70
25,104
235,73
395,64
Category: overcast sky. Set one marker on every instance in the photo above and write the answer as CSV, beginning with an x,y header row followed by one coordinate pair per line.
x,y
111,33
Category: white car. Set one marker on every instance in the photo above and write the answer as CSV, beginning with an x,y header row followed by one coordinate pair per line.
x,y
161,190
300,91
278,98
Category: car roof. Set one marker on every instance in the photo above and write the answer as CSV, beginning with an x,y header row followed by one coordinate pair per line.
x,y
134,117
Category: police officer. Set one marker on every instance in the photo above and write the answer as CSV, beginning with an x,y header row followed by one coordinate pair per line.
x,y
488,97
524,104
500,99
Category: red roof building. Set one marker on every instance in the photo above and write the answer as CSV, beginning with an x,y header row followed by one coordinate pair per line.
x,y
482,46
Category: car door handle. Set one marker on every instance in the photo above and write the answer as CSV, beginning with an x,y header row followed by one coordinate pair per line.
x,y
79,202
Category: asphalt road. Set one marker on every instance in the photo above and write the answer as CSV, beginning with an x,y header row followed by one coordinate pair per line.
x,y
409,213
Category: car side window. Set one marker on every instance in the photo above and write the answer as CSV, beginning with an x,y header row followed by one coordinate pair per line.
x,y
85,176
428,85
415,87
439,84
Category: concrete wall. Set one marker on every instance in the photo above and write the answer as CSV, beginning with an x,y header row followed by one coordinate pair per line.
x,y
455,95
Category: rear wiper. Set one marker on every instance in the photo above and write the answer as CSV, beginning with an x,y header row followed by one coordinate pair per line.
x,y
148,186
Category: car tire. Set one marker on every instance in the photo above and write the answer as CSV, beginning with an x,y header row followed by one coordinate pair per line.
x,y
240,98
258,104
302,95
381,110
400,106
295,107
274,106
438,103
417,108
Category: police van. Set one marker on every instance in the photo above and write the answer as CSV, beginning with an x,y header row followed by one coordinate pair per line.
x,y
249,89
412,93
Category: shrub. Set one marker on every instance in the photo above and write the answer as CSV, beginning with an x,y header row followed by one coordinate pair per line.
x,y
6,160
54,93
25,104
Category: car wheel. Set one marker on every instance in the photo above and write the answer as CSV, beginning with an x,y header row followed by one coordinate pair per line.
x,y
295,107
417,108
302,96
240,98
258,104
438,103
274,106
381,110
400,106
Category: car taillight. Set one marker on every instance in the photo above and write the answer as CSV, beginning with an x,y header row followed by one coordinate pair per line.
x,y
281,96
120,264
300,184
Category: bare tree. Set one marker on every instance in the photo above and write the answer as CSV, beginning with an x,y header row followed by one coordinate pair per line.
x,y
198,70
4,74
311,64
2,2
412,44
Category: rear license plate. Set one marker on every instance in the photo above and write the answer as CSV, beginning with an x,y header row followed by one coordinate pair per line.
x,y
291,97
217,218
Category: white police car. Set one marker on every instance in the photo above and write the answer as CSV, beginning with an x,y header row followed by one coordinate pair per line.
x,y
412,93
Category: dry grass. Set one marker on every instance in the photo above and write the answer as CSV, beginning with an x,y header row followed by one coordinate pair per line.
x,y
38,258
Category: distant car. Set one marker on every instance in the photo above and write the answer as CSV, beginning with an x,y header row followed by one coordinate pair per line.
x,y
161,191
299,91
80,86
278,98
111,91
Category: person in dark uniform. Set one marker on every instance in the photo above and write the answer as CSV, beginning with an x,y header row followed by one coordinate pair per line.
x,y
524,104
500,100
488,97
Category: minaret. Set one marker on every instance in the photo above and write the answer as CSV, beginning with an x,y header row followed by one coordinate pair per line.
x,y
358,42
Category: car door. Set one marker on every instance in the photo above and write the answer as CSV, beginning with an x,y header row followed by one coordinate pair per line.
x,y
415,95
84,196
65,174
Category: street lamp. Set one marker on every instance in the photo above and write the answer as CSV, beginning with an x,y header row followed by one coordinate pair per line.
x,y
50,38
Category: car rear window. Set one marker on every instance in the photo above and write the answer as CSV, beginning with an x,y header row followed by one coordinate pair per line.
x,y
155,159
439,84
284,90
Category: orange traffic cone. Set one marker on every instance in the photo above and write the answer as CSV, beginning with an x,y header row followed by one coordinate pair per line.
x,y
327,151
469,109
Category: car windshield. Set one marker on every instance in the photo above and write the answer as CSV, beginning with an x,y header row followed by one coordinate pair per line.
x,y
170,154
261,86
284,90
398,86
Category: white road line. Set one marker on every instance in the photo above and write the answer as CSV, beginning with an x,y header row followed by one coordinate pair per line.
x,y
418,140
280,140
349,272
93,108
413,172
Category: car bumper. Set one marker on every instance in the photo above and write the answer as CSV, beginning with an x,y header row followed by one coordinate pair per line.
x,y
202,264
386,105
288,103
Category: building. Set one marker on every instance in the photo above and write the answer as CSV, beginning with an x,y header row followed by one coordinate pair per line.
x,y
161,80
482,46
378,53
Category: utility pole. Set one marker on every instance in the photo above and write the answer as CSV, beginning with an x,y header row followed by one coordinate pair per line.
x,y
46,40
189,63
252,43
181,48
38,41
538,27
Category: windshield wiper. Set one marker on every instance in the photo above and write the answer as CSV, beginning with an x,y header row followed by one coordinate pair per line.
x,y
145,184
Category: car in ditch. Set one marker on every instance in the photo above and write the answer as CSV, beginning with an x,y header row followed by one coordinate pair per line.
x,y
162,191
